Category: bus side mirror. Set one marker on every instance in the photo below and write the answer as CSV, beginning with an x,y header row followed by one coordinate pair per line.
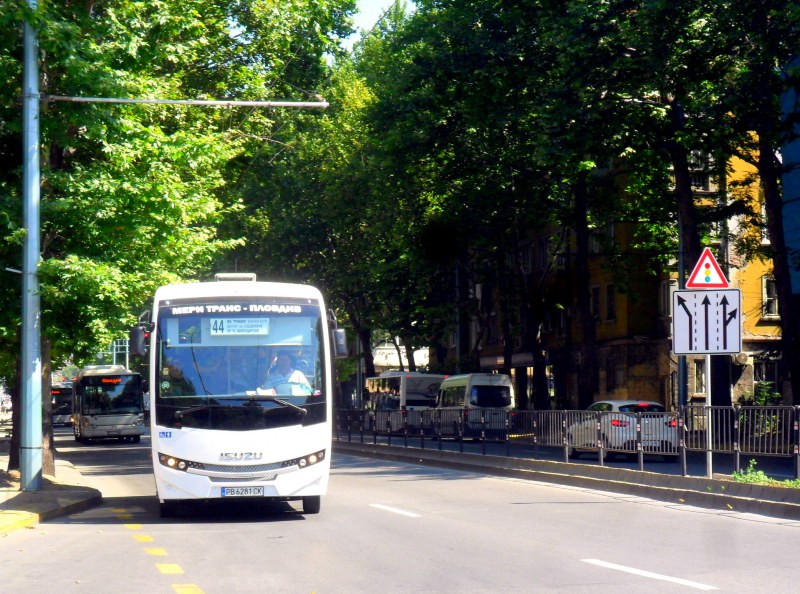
x,y
339,343
138,341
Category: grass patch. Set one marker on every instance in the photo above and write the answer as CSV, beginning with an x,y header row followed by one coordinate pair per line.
x,y
753,476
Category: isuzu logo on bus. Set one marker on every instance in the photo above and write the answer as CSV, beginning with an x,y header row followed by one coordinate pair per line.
x,y
241,456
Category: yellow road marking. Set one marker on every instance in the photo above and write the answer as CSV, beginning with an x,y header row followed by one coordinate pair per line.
x,y
170,568
142,538
133,526
118,510
157,551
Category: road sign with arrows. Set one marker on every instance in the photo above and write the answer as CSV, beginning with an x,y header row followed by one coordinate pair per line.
x,y
706,322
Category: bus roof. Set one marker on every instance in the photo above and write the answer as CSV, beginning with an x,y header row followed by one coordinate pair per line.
x,y
104,370
237,289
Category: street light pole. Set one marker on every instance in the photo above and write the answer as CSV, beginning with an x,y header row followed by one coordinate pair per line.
x,y
31,420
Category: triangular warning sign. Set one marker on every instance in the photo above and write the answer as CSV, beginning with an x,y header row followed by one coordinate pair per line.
x,y
707,274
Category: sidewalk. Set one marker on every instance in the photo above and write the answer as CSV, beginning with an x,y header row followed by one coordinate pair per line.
x,y
63,494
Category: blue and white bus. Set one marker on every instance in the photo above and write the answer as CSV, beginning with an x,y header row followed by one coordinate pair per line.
x,y
228,420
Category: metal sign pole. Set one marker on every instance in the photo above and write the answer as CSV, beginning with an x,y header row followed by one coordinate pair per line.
x,y
709,427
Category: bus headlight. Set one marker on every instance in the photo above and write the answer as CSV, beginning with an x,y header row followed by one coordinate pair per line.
x,y
178,463
309,460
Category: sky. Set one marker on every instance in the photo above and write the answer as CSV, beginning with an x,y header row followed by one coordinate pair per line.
x,y
369,11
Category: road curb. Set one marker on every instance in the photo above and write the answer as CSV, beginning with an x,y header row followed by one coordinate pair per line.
x,y
60,495
694,491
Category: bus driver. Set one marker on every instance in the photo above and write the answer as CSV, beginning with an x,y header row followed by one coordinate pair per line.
x,y
285,373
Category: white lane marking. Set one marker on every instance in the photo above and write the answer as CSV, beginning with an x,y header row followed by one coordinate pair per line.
x,y
394,510
649,574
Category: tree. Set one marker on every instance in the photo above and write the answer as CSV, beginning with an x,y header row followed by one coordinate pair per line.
x,y
132,195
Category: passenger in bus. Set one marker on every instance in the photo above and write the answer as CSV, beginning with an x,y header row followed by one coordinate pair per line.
x,y
211,374
284,372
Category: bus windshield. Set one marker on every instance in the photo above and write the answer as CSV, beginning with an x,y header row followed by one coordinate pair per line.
x,y
62,400
250,363
111,394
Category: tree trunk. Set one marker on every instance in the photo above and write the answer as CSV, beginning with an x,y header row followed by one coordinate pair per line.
x,y
365,339
16,416
587,372
48,441
687,213
769,172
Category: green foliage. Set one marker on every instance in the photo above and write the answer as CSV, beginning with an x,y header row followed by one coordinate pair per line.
x,y
763,395
134,196
752,476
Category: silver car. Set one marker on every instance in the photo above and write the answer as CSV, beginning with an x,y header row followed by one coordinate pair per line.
x,y
612,425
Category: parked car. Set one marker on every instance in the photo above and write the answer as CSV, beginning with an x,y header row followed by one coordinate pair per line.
x,y
612,423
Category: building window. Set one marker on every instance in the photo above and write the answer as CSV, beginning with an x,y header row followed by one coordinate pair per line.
x,y
764,230
700,376
611,302
594,303
700,181
765,371
769,298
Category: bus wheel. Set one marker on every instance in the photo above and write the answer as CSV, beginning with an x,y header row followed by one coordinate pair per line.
x,y
312,504
137,438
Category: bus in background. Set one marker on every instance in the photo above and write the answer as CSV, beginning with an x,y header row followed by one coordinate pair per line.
x,y
107,403
241,390
61,397
397,399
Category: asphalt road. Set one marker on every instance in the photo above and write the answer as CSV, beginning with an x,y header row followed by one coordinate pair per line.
x,y
777,467
392,527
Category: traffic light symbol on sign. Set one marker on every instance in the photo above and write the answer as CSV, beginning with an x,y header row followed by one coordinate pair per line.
x,y
707,274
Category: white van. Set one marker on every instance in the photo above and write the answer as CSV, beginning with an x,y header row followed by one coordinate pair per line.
x,y
397,399
474,405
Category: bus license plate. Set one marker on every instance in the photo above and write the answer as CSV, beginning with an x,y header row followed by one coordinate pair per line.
x,y
242,491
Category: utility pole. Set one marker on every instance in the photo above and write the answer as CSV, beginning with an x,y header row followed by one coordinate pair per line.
x,y
31,421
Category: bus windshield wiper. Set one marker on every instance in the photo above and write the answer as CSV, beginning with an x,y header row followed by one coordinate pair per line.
x,y
200,407
281,401
249,401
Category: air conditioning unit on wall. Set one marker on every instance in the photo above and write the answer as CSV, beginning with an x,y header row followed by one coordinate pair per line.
x,y
742,359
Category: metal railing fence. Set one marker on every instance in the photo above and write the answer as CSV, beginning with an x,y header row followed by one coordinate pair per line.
x,y
737,430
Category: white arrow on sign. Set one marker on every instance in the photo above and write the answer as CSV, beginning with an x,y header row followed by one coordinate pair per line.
x,y
706,322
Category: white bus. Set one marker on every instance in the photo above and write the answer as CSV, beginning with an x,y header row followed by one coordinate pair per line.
x,y
227,421
397,399
107,403
61,399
